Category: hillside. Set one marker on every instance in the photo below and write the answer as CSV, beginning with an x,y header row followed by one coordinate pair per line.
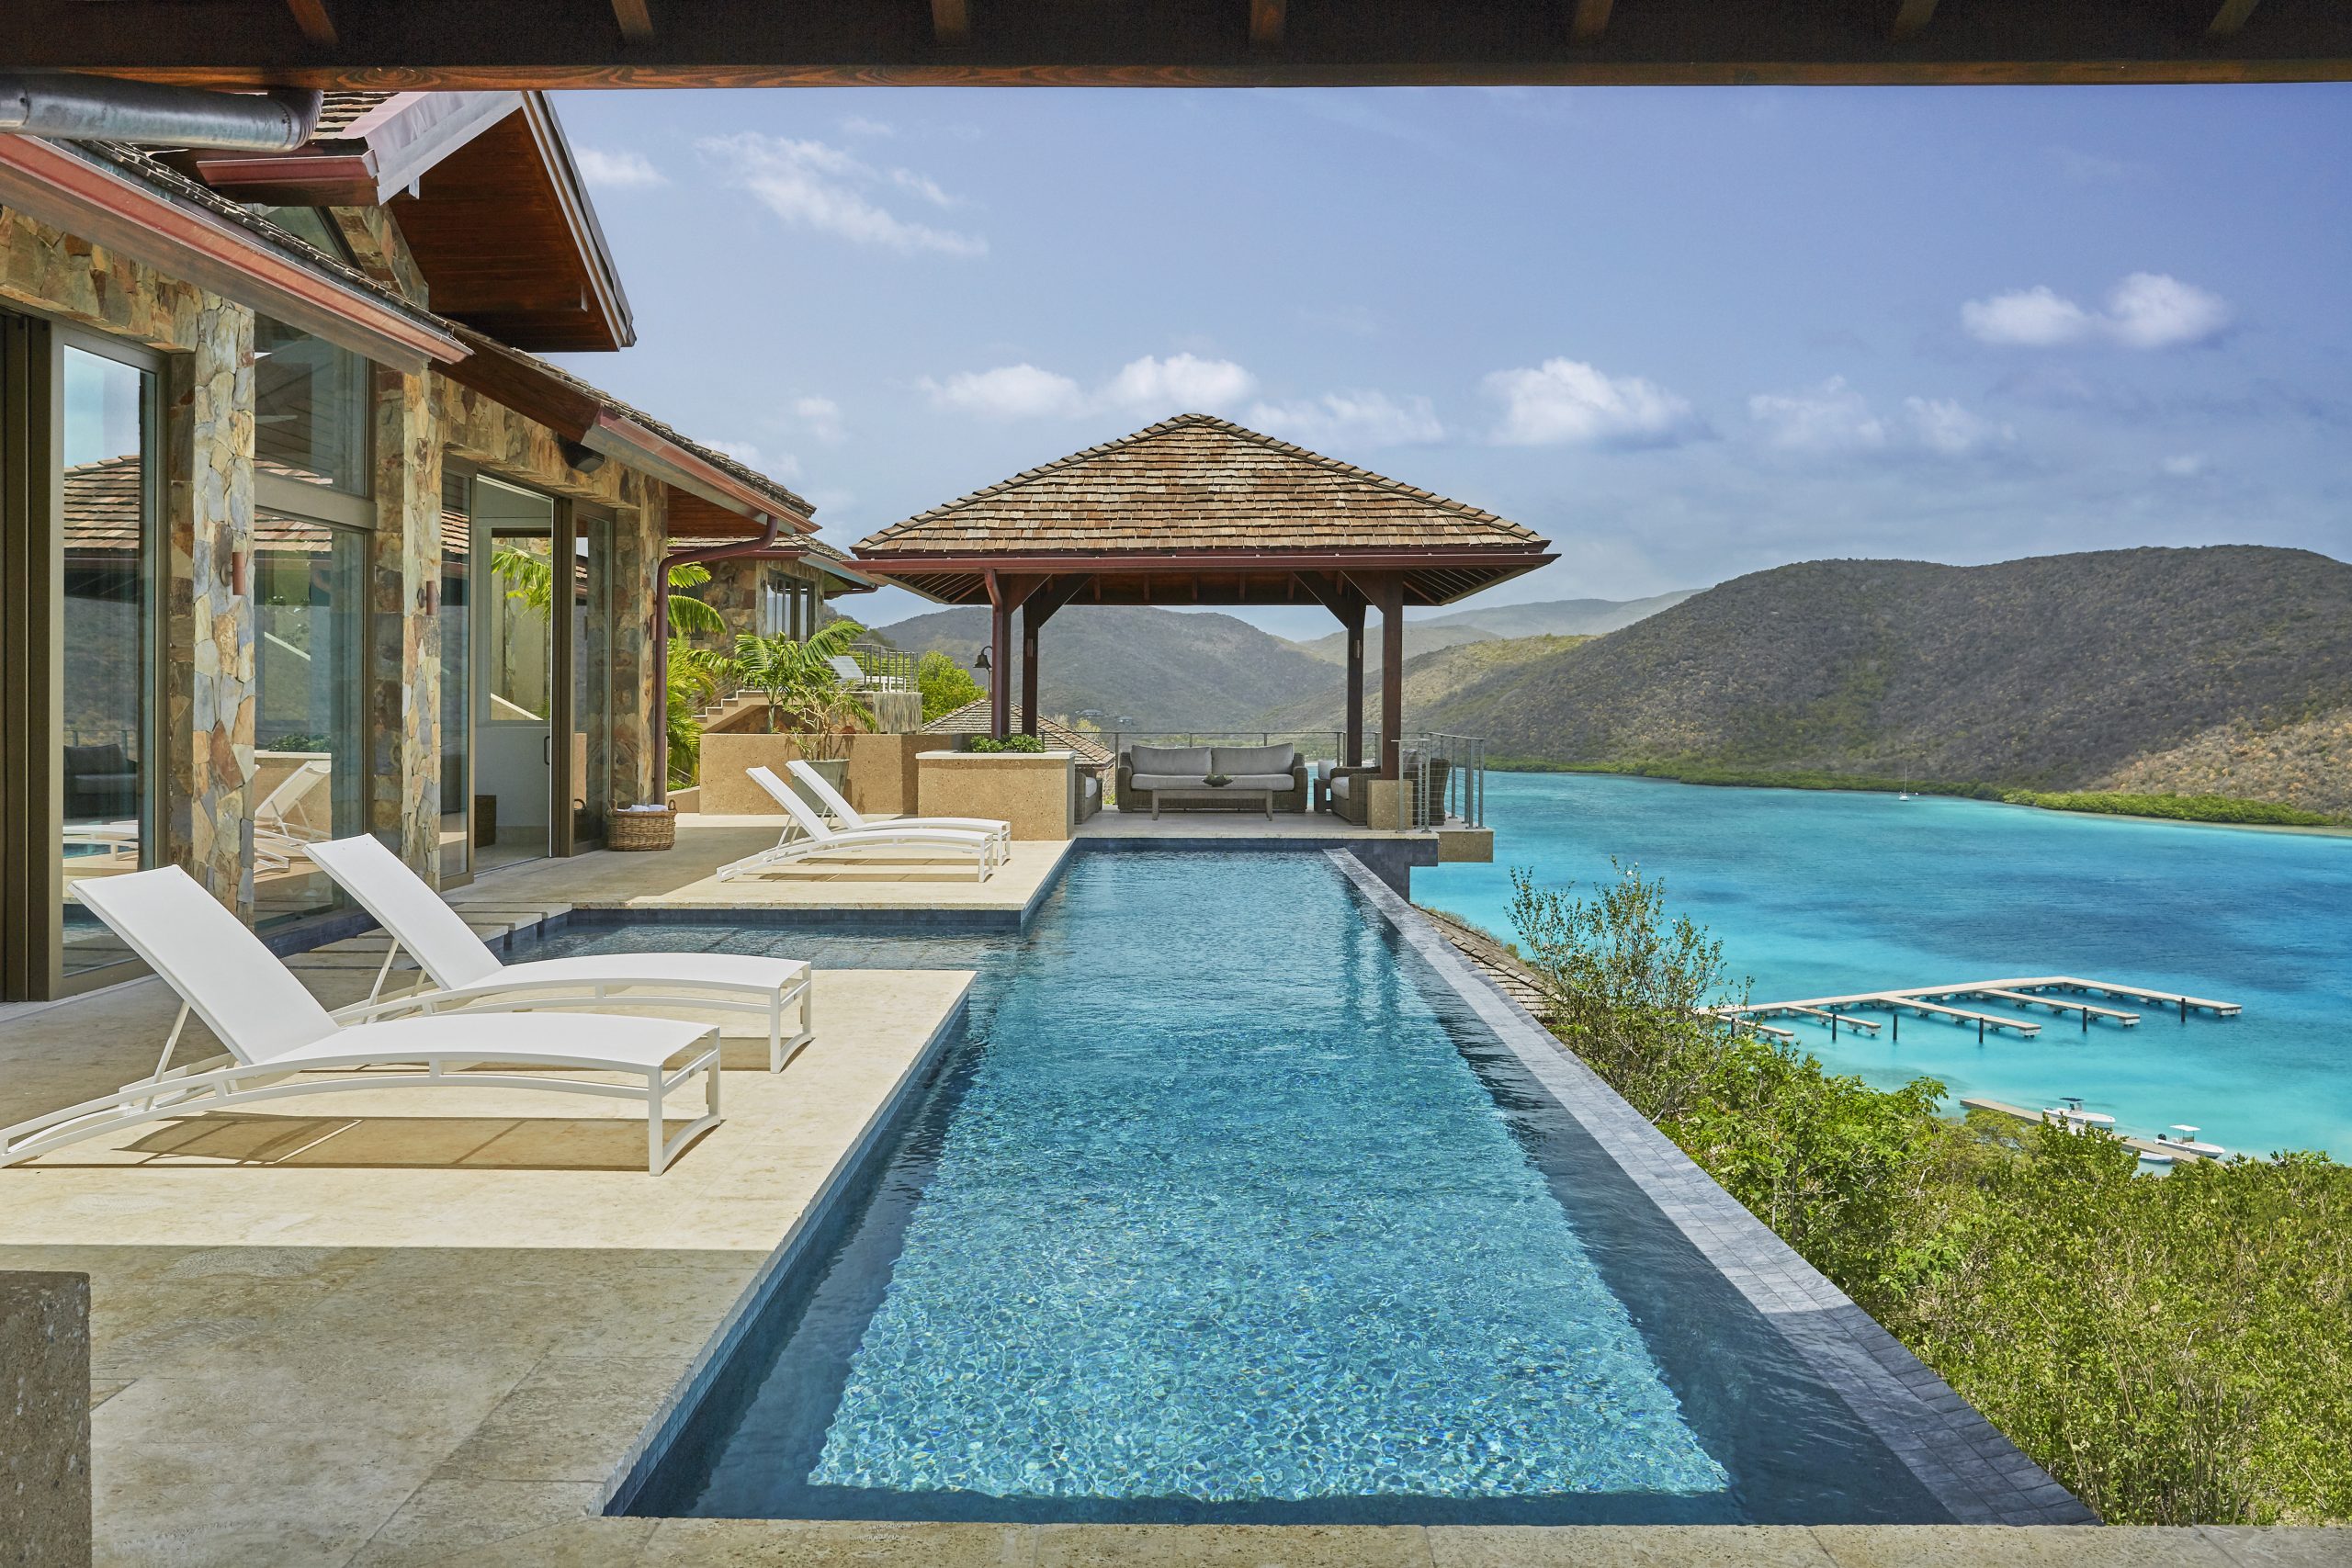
x,y
1165,669
2226,669
1556,617
1430,680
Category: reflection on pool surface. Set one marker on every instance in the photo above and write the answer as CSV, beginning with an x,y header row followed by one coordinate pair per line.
x,y
1228,1210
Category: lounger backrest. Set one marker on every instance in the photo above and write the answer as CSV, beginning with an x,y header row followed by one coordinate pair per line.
x,y
432,932
292,790
810,823
832,798
237,986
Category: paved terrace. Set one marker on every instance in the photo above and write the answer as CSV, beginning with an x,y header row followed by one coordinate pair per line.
x,y
407,1329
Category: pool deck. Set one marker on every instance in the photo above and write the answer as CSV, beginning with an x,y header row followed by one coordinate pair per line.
x,y
396,1329
390,1328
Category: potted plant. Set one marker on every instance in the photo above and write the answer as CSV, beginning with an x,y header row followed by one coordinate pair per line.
x,y
807,699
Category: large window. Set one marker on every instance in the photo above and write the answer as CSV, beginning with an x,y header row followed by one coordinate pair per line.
x,y
106,619
311,410
457,676
309,728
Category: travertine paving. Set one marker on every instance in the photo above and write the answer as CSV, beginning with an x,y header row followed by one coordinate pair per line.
x,y
384,1325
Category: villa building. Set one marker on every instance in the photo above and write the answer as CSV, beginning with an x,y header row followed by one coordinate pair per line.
x,y
284,484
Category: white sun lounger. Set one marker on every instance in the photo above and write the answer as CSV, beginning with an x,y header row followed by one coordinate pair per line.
x,y
807,835
468,975
847,816
282,1042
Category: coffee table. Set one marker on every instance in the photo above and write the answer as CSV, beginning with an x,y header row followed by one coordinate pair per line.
x,y
1204,793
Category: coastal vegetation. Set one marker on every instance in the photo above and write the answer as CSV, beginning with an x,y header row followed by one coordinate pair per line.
x,y
2112,803
2177,1349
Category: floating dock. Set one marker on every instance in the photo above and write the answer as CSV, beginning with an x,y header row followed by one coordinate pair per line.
x,y
2145,1146
2031,990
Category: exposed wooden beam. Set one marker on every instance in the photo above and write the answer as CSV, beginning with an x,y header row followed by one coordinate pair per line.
x,y
507,45
2231,17
636,19
1910,16
311,15
1266,23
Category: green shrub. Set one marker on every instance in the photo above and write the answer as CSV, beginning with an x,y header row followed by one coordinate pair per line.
x,y
2178,807
944,684
1026,743
2176,1350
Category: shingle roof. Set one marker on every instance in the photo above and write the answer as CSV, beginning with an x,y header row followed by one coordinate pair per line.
x,y
972,718
1197,483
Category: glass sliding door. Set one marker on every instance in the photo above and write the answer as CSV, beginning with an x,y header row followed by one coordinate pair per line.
x,y
588,779
456,677
104,617
515,637
310,649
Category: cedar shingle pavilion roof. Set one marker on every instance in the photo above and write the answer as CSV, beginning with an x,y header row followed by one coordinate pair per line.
x,y
1231,511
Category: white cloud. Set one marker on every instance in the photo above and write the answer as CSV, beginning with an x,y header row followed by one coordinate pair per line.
x,y
858,125
2147,309
618,171
922,186
1351,418
1178,384
2035,318
1833,419
2185,464
1568,403
821,417
783,466
1009,391
813,185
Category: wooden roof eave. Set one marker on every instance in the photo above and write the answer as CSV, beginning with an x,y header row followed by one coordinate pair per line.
x,y
1432,576
74,192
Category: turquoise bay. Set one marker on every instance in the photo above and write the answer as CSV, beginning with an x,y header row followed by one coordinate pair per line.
x,y
1816,893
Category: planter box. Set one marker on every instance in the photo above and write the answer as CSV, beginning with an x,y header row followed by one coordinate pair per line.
x,y
1034,791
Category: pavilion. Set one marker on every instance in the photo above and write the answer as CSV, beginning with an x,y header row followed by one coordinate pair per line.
x,y
1197,510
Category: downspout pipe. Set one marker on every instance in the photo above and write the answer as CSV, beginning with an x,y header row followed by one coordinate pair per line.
x,y
700,557
107,109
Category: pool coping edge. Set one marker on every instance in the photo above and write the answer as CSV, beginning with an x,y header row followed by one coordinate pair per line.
x,y
1975,1471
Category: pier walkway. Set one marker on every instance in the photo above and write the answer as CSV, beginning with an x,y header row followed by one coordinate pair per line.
x,y
2032,990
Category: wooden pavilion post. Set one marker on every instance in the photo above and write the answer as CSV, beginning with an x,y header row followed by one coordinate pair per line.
x,y
1392,674
999,658
1351,622
1030,620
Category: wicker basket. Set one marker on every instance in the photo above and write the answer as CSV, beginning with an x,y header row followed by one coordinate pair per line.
x,y
641,830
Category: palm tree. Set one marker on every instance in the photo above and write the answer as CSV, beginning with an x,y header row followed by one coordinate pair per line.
x,y
801,685
531,579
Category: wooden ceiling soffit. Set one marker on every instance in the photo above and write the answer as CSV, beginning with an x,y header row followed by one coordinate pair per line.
x,y
505,234
514,44
108,208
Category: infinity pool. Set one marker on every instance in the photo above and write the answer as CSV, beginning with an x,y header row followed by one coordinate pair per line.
x,y
1228,1209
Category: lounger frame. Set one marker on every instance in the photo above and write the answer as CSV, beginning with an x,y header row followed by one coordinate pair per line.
x,y
805,837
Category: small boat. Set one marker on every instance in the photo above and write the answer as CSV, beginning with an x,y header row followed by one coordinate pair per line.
x,y
2189,1141
2149,1156
2072,1114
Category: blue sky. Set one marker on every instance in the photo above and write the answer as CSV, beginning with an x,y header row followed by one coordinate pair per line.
x,y
1686,334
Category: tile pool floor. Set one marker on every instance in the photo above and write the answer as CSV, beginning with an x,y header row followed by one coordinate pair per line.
x,y
381,1363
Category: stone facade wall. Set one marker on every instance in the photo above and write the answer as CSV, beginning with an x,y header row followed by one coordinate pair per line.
x,y
208,524
404,729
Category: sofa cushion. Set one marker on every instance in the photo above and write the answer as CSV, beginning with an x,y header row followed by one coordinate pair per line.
x,y
1262,781
1338,787
1179,762
1089,786
1239,760
1164,781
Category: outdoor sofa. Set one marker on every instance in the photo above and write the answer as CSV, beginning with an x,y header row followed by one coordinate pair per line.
x,y
1279,769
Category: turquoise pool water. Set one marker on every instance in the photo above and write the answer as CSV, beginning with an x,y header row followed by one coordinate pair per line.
x,y
1816,894
1227,1210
